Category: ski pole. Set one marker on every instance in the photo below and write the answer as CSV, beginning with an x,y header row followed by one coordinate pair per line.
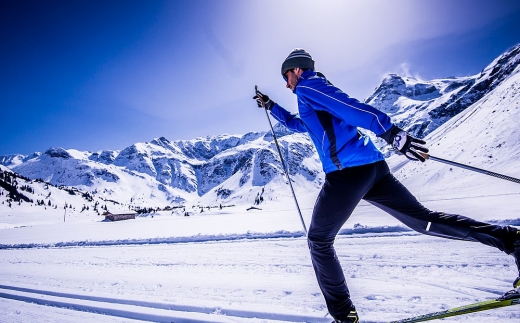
x,y
284,167
475,169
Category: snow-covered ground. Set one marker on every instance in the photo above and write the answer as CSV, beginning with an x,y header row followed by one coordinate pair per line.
x,y
234,265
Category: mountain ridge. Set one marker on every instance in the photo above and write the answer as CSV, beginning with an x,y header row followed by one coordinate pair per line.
x,y
420,107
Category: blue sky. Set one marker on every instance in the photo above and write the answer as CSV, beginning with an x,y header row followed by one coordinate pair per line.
x,y
94,75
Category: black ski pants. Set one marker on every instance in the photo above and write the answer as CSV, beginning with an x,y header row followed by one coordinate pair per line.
x,y
374,183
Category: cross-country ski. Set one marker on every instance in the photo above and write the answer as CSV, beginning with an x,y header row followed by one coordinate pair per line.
x,y
508,299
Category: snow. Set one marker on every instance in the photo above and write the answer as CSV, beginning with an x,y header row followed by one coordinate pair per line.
x,y
233,265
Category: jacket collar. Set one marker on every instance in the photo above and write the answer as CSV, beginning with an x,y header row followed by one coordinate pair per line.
x,y
305,75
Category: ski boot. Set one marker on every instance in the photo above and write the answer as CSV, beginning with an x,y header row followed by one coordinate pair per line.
x,y
512,294
515,293
352,317
516,254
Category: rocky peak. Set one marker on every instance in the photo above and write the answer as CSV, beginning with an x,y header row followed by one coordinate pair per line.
x,y
57,153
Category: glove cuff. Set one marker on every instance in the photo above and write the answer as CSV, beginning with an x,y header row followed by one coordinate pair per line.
x,y
390,134
269,104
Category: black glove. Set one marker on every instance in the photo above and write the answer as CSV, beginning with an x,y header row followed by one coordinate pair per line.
x,y
405,143
263,100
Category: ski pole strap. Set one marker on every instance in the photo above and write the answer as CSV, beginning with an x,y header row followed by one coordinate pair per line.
x,y
475,169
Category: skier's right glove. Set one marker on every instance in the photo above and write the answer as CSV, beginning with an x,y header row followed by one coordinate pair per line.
x,y
263,100
405,143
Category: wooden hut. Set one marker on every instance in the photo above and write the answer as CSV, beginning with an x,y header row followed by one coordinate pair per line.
x,y
119,216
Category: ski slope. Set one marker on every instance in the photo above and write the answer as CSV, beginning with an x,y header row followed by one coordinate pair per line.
x,y
234,265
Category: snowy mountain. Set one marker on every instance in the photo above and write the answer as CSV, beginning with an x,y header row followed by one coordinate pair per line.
x,y
44,200
162,172
423,106
485,135
466,119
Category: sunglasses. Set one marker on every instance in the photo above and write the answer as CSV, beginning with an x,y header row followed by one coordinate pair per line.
x,y
287,72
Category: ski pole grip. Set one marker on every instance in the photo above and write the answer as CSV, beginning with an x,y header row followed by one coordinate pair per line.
x,y
261,101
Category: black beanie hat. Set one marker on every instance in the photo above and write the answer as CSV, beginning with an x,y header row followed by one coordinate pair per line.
x,y
298,58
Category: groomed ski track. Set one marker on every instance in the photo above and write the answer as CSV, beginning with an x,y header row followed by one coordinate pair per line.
x,y
379,278
144,311
67,272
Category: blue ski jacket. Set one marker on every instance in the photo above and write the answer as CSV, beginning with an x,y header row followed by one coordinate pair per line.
x,y
332,119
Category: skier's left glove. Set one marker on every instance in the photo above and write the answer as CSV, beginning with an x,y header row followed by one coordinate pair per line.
x,y
263,100
405,143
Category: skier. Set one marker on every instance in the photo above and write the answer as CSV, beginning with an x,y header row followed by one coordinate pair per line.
x,y
355,169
